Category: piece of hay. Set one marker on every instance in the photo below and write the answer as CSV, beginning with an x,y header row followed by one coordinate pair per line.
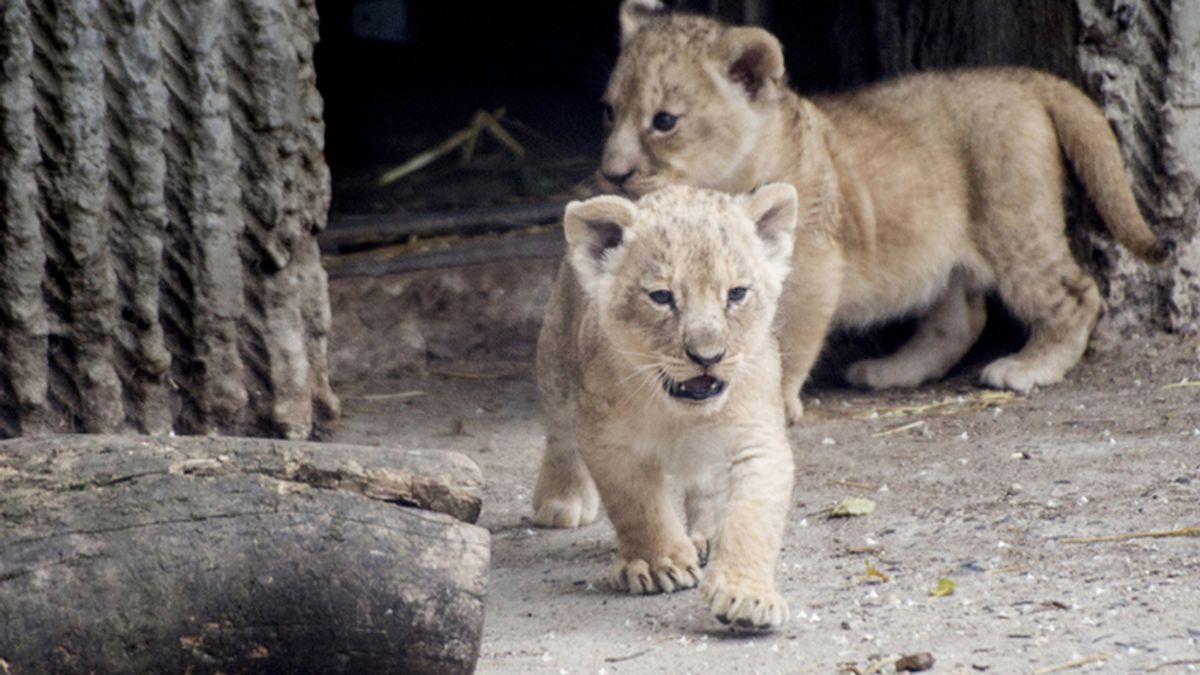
x,y
466,375
905,427
464,139
872,575
987,398
1183,532
398,396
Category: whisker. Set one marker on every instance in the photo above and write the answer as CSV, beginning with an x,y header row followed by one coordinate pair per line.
x,y
638,370
637,391
644,355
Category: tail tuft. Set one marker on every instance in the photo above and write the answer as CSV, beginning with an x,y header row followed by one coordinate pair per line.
x,y
1160,251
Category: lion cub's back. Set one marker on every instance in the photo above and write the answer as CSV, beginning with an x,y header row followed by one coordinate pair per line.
x,y
966,111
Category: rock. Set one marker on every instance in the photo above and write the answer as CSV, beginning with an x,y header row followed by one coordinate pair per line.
x,y
914,663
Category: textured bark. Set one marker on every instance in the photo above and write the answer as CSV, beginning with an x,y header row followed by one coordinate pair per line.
x,y
161,187
24,326
143,555
1138,60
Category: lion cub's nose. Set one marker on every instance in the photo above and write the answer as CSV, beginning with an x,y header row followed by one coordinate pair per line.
x,y
705,361
617,179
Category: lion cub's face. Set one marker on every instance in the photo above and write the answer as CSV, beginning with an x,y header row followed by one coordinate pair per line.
x,y
686,100
686,282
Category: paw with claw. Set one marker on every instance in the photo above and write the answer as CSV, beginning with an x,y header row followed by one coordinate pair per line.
x,y
743,601
657,574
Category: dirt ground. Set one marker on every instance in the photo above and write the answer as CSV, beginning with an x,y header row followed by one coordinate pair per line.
x,y
984,490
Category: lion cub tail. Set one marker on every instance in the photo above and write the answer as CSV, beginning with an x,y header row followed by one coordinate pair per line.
x,y
1092,148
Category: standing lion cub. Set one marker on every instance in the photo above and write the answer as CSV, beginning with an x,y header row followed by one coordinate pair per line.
x,y
918,195
657,357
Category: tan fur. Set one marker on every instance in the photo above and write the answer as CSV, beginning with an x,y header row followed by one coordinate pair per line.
x,y
613,431
917,195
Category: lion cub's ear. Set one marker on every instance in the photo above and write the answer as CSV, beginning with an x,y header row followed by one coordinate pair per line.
x,y
753,59
596,230
773,208
633,16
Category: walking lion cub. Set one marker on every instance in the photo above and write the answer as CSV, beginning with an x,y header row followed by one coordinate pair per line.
x,y
918,195
657,357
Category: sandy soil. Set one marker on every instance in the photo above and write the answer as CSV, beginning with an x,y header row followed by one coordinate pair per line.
x,y
984,492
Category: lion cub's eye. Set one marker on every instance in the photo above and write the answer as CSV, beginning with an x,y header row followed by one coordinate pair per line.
x,y
737,294
609,113
662,297
665,121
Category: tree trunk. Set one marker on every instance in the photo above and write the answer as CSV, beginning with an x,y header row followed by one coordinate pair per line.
x,y
147,555
161,187
1139,60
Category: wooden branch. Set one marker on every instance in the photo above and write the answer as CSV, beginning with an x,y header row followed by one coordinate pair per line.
x,y
471,252
350,232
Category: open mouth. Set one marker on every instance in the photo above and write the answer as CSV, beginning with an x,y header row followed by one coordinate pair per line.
x,y
695,389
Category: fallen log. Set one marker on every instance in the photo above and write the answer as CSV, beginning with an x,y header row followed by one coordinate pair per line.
x,y
122,554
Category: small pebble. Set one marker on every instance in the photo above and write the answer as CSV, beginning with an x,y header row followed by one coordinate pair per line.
x,y
915,663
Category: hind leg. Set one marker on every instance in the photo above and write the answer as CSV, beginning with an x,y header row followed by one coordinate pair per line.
x,y
944,335
565,495
806,309
1040,282
1060,306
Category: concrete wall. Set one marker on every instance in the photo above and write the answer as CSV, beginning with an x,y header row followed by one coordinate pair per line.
x,y
161,184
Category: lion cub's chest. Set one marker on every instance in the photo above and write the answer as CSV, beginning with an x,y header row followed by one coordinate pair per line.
x,y
684,446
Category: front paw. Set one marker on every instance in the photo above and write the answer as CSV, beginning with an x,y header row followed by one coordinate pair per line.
x,y
742,601
794,408
565,513
862,374
1019,374
887,373
566,506
659,574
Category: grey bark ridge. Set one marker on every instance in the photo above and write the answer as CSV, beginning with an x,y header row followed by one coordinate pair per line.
x,y
139,554
162,184
24,368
